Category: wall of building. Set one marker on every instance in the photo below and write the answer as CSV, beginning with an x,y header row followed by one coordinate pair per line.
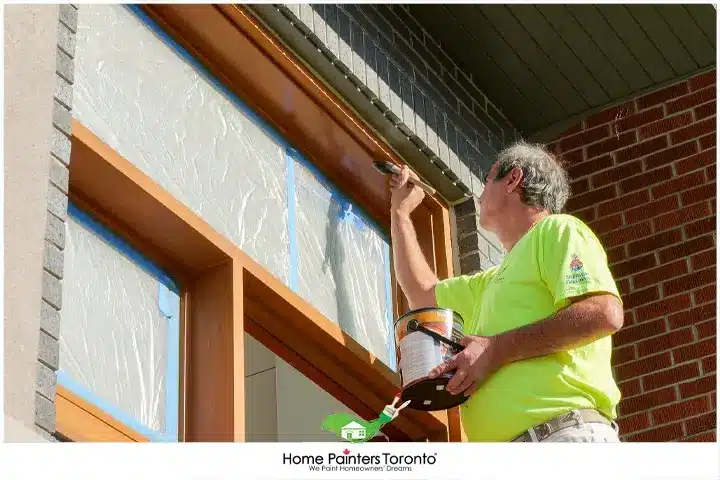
x,y
260,392
404,72
643,177
38,66
384,50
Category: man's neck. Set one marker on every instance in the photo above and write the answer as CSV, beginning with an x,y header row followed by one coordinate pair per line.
x,y
518,225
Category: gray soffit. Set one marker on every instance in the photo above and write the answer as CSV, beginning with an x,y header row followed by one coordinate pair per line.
x,y
548,66
354,94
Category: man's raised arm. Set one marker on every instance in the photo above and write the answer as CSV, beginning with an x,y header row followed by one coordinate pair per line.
x,y
412,271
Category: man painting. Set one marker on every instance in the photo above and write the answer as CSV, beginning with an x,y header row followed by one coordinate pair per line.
x,y
536,363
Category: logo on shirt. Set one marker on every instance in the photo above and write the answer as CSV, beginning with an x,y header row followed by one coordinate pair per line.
x,y
576,265
577,275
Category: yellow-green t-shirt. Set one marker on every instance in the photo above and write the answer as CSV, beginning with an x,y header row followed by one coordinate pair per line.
x,y
559,258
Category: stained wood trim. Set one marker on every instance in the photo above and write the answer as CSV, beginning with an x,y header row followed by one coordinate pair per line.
x,y
215,380
442,237
99,173
81,421
117,227
237,319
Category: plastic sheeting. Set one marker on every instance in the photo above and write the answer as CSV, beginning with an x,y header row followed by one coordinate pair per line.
x,y
151,106
209,151
114,338
342,264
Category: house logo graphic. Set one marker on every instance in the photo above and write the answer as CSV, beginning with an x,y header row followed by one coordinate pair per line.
x,y
350,428
356,430
353,431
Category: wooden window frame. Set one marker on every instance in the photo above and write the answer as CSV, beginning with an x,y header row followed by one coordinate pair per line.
x,y
225,292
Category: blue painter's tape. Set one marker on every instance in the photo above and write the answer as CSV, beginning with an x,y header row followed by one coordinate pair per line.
x,y
122,246
205,73
292,220
111,409
347,214
172,378
169,303
362,219
389,307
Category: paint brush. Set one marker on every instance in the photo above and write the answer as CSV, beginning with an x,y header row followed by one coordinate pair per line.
x,y
389,168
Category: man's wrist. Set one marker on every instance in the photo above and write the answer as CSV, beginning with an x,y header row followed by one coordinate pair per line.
x,y
504,348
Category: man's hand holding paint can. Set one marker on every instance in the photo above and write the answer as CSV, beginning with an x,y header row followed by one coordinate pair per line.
x,y
469,368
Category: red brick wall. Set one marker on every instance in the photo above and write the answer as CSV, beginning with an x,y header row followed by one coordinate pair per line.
x,y
643,177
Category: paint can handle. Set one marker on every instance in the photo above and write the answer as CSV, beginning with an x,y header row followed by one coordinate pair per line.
x,y
414,326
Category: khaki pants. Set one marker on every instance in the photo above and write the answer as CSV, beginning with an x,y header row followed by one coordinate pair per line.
x,y
587,432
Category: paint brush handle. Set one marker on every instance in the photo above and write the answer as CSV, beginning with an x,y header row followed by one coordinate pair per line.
x,y
388,168
428,189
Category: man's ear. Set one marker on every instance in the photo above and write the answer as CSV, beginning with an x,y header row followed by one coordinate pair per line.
x,y
515,178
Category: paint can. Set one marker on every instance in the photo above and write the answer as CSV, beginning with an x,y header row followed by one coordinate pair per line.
x,y
425,338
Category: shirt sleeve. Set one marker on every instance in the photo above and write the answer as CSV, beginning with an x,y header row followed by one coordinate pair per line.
x,y
461,294
574,262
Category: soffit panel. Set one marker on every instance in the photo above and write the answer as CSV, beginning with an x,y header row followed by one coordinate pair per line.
x,y
546,66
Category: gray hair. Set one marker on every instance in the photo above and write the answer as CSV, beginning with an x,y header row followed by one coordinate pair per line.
x,y
545,182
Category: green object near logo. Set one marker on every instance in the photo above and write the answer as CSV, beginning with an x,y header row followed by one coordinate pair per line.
x,y
356,430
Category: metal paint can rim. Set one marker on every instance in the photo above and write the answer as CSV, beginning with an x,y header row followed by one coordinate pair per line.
x,y
456,316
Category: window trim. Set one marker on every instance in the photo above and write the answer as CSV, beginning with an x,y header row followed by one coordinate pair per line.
x,y
229,290
292,157
81,421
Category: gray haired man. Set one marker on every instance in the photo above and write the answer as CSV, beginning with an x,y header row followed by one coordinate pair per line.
x,y
536,363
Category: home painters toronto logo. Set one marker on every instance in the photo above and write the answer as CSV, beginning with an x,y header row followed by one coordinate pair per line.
x,y
357,462
356,430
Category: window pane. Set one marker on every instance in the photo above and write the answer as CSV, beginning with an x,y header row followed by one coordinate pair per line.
x,y
155,109
119,336
343,264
